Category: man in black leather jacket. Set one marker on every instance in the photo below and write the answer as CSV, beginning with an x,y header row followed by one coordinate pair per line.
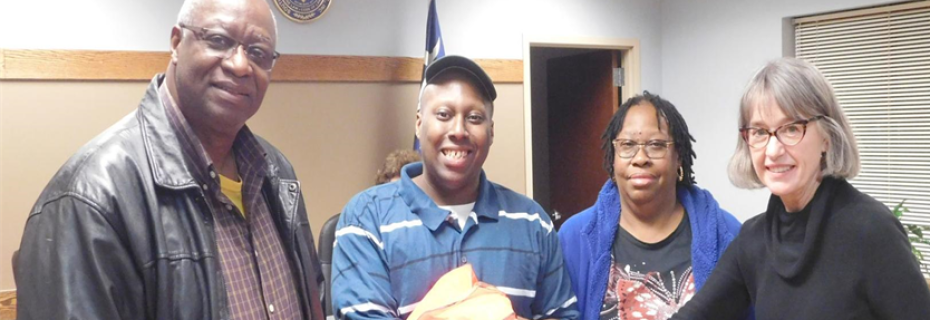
x,y
141,223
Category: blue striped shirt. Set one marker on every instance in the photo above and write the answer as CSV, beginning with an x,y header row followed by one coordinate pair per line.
x,y
393,243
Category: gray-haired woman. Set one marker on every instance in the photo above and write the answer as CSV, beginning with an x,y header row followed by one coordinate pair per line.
x,y
822,249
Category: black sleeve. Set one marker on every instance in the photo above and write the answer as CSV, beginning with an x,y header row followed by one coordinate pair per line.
x,y
894,285
73,265
309,257
311,262
725,295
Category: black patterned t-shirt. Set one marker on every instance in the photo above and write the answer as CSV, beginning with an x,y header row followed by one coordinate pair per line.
x,y
649,280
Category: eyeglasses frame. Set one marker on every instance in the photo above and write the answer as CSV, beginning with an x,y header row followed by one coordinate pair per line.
x,y
744,132
639,147
200,32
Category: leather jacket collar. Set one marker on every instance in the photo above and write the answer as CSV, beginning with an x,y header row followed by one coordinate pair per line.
x,y
164,153
169,168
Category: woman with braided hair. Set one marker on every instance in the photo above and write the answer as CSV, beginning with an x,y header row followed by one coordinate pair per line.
x,y
653,237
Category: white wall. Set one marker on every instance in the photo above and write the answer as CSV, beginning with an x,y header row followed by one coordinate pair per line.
x,y
476,28
710,49
139,25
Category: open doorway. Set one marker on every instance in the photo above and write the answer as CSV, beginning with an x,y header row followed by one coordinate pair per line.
x,y
571,93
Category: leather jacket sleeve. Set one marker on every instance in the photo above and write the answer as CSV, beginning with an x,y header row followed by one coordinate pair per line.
x,y
76,266
306,253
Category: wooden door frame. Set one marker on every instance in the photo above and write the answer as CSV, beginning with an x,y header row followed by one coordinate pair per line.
x,y
629,61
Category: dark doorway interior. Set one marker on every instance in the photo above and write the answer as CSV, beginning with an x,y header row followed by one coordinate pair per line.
x,y
573,99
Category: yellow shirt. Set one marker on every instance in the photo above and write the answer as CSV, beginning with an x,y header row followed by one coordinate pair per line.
x,y
233,190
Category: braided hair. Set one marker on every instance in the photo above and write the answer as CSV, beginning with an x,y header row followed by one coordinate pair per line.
x,y
678,130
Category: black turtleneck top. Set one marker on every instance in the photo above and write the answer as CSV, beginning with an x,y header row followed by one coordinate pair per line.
x,y
844,256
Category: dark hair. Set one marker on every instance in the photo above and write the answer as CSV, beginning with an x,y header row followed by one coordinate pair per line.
x,y
396,160
678,130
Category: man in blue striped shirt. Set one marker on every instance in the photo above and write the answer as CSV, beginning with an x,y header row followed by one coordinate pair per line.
x,y
394,241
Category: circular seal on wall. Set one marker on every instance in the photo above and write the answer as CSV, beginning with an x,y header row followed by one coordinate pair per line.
x,y
302,11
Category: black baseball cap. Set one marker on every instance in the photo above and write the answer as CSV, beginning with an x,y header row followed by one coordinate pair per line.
x,y
453,62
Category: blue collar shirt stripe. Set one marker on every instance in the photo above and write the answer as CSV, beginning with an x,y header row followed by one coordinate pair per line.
x,y
393,243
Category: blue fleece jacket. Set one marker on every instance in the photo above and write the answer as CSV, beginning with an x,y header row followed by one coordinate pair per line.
x,y
587,238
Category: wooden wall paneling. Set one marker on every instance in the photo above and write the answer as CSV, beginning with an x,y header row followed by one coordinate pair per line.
x,y
8,305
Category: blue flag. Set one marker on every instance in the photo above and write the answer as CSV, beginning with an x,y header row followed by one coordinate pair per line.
x,y
434,49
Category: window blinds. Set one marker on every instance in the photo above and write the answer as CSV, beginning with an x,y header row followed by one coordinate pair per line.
x,y
878,61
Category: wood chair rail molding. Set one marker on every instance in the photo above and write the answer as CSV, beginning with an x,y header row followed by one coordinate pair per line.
x,y
141,66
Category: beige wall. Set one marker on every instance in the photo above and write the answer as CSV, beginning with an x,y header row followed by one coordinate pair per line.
x,y
336,135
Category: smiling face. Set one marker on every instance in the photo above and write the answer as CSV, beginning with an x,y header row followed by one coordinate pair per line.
x,y
792,173
456,131
641,179
214,93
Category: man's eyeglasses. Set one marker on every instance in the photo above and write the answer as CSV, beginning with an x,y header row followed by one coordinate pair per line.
x,y
655,149
223,46
789,134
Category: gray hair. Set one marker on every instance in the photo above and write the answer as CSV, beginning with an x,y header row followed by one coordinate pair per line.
x,y
801,92
190,7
